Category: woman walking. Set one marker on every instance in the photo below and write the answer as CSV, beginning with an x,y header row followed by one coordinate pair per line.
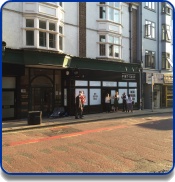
x,y
129,103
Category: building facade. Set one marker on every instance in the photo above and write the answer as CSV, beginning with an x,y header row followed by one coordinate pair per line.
x,y
156,52
55,49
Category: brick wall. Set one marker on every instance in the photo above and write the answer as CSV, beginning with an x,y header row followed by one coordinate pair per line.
x,y
82,29
134,35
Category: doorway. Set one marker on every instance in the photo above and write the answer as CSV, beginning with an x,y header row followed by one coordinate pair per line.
x,y
42,100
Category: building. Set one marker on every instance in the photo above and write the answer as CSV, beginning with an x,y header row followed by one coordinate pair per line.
x,y
156,50
55,49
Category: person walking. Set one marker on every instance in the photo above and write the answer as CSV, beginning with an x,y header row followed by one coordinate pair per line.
x,y
129,103
107,103
83,101
124,102
78,106
116,99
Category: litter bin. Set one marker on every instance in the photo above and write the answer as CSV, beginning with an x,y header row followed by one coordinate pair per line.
x,y
34,117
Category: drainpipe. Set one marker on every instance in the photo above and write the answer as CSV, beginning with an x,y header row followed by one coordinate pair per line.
x,y
130,31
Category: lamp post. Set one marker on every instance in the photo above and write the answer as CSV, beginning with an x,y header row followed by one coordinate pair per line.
x,y
152,91
140,70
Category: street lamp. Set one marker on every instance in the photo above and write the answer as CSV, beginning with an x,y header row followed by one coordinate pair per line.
x,y
140,70
152,91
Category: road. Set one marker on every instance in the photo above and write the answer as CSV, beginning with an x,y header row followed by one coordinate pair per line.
x,y
141,144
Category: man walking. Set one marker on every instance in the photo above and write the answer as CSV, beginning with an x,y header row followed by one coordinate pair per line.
x,y
78,106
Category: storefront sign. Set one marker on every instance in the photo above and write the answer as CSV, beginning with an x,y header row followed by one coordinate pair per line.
x,y
168,78
157,78
126,76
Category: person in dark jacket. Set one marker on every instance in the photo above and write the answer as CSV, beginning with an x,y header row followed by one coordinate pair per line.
x,y
78,106
124,102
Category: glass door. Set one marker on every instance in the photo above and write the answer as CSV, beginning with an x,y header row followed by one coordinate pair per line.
x,y
42,100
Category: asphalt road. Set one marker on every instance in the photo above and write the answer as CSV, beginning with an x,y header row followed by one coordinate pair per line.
x,y
129,145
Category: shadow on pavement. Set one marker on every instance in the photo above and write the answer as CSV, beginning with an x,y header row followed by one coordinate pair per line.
x,y
166,124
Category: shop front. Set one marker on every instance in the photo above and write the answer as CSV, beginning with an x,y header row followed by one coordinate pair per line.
x,y
96,83
167,91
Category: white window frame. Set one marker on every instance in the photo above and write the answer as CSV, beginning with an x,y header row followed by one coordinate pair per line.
x,y
166,34
150,29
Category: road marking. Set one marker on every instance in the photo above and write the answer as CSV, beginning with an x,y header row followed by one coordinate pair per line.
x,y
67,135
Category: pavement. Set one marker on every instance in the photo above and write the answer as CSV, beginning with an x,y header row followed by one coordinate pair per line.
x,y
17,125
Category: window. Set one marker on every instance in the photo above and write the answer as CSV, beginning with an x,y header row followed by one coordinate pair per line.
x,y
61,4
60,37
42,24
42,39
30,33
150,59
165,63
103,12
166,35
114,15
150,5
29,23
102,45
114,50
52,39
30,38
150,29
166,8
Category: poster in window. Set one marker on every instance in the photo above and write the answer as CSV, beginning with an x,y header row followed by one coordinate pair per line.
x,y
95,96
133,93
85,93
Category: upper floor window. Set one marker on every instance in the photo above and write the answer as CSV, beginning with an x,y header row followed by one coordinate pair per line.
x,y
149,29
61,4
60,37
45,35
102,46
150,5
150,59
30,32
110,48
114,15
165,63
103,12
166,8
166,35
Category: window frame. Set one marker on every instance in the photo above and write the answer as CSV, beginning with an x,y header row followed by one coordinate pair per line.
x,y
165,64
150,5
150,29
150,59
166,9
166,32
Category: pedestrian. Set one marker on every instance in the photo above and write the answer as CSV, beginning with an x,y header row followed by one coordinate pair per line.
x,y
83,100
116,99
129,103
107,103
124,102
78,106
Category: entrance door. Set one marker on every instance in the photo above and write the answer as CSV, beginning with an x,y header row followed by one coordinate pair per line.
x,y
42,100
8,104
